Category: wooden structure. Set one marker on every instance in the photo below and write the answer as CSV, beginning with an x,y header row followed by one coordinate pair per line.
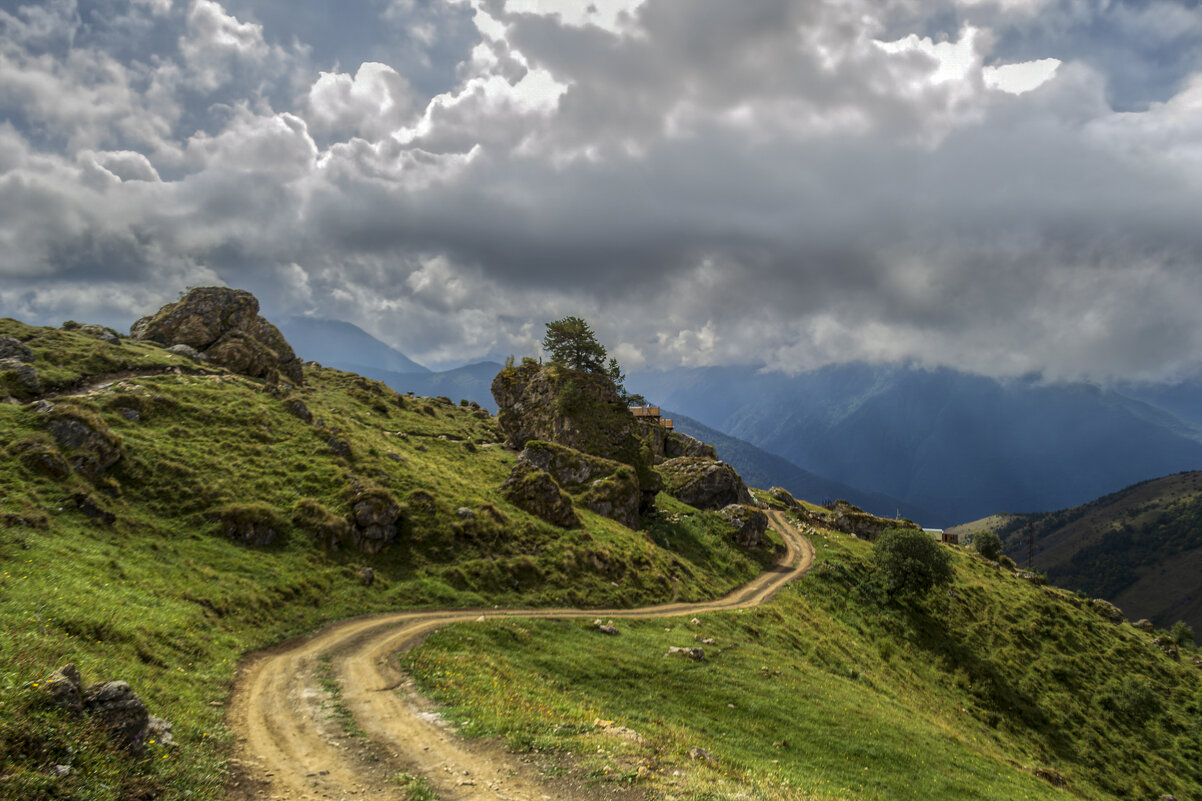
x,y
650,414
948,537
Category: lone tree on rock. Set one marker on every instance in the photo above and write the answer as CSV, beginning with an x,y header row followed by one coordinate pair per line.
x,y
572,343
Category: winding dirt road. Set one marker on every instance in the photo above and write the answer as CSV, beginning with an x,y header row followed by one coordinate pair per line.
x,y
290,748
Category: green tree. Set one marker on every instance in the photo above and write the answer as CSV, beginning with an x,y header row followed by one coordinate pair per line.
x,y
572,343
988,544
1182,633
911,562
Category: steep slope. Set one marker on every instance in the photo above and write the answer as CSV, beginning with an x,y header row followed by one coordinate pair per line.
x,y
1140,547
959,445
762,469
160,516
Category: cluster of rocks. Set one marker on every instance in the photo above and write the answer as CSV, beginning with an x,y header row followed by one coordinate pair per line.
x,y
222,326
581,446
111,704
851,519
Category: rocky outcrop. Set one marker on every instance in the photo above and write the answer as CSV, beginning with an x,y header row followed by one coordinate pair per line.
x,y
606,487
535,491
783,497
577,409
749,522
679,444
224,326
1107,610
851,519
375,516
19,378
704,483
91,448
13,348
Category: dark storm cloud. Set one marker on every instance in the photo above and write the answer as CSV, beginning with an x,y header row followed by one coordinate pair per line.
x,y
788,182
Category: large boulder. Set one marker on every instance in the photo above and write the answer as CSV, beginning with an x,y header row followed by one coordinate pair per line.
x,y
15,349
704,483
224,326
534,490
608,488
750,524
577,409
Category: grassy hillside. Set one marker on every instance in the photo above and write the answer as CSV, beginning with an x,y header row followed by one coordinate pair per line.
x,y
994,689
1140,547
130,572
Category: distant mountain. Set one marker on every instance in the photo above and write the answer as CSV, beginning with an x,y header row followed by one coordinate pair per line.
x,y
472,382
339,344
762,469
1140,547
959,445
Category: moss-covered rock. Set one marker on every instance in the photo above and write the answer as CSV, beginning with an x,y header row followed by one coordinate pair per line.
x,y
851,519
704,483
749,522
607,487
90,446
535,491
375,517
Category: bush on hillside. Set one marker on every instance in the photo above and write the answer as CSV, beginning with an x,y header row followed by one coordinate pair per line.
x,y
988,545
1182,633
910,562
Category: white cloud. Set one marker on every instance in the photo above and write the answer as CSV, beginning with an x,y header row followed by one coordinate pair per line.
x,y
1021,78
373,103
217,44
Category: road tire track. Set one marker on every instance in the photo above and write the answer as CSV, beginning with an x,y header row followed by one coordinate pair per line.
x,y
288,749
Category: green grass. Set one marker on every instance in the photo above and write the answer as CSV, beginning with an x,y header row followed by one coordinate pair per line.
x,y
829,692
161,598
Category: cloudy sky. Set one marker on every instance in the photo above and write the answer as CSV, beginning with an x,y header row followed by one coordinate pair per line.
x,y
1000,186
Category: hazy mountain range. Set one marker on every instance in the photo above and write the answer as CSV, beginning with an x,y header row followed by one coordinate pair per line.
x,y
940,446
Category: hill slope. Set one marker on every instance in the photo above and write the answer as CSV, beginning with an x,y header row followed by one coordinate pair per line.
x,y
994,689
160,517
1140,547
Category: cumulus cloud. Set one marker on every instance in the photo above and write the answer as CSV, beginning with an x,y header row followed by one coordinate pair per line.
x,y
786,182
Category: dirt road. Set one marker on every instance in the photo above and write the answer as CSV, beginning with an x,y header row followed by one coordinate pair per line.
x,y
290,747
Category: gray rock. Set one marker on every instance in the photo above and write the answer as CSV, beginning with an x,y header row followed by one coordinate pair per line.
x,y
88,507
695,654
188,351
697,753
64,686
61,771
367,576
96,449
119,709
1144,625
463,513
15,349
158,732
339,447
101,333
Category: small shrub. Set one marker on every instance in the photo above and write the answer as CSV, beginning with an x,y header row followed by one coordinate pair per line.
x,y
1181,633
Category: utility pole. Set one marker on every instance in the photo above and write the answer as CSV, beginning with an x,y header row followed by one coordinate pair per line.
x,y
1030,546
